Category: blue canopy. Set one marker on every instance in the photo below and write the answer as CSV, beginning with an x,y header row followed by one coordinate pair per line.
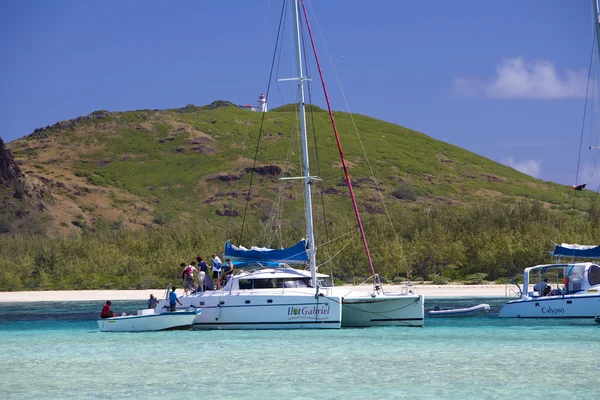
x,y
290,255
576,250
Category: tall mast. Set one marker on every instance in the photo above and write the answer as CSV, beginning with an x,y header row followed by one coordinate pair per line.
x,y
597,23
306,174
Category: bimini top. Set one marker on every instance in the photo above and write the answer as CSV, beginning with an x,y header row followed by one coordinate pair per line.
x,y
290,255
576,250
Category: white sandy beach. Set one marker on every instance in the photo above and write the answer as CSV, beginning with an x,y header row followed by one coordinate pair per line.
x,y
429,291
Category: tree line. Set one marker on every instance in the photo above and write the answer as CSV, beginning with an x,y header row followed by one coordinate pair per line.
x,y
440,243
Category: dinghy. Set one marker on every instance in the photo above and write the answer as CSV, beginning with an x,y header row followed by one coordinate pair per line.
x,y
148,320
474,311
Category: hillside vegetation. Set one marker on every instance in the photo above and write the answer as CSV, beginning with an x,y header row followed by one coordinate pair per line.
x,y
127,196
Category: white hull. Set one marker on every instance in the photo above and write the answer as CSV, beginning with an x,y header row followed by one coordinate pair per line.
x,y
568,306
361,309
149,322
475,311
265,309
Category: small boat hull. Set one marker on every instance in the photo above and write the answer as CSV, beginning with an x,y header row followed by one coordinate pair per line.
x,y
364,310
475,311
145,322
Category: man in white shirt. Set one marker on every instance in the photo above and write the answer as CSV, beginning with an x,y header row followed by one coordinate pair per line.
x,y
216,271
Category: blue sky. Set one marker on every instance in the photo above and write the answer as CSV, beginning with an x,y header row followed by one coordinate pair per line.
x,y
504,79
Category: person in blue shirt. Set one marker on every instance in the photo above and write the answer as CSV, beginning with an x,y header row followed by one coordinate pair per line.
x,y
173,300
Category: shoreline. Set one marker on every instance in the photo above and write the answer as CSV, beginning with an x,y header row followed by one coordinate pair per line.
x,y
429,291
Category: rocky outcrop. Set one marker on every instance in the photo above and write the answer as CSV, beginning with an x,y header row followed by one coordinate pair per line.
x,y
273,170
219,104
22,198
42,133
10,174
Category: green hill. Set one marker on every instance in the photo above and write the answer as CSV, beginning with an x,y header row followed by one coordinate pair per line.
x,y
147,167
161,170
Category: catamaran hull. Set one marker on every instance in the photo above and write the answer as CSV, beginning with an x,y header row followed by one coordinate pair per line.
x,y
569,306
180,320
383,310
264,311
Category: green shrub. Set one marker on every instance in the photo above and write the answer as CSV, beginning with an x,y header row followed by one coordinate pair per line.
x,y
476,279
439,280
404,192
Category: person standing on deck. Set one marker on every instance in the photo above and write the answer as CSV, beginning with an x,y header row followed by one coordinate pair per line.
x,y
216,270
202,270
188,282
173,300
227,271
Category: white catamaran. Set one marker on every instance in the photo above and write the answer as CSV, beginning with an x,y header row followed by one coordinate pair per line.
x,y
276,296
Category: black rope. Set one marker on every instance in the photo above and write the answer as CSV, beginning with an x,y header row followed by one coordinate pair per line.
x,y
262,120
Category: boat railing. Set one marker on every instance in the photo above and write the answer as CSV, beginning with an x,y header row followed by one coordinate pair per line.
x,y
513,291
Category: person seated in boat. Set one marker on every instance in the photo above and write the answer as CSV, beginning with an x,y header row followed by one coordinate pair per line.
x,y
106,311
152,302
173,300
542,287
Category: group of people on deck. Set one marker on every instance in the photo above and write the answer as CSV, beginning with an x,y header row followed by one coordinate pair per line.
x,y
221,273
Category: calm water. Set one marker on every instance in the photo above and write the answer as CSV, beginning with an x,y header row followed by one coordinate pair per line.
x,y
54,350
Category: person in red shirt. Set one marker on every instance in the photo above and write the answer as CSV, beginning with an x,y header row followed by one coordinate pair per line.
x,y
106,311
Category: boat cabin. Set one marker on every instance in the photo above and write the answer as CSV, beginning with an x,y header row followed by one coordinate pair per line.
x,y
566,278
274,278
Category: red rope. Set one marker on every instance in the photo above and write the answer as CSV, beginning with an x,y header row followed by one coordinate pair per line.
x,y
339,144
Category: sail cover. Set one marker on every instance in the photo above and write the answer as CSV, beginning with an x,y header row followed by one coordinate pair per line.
x,y
290,255
576,250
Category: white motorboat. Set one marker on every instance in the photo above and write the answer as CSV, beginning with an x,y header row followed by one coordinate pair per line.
x,y
579,296
149,320
475,311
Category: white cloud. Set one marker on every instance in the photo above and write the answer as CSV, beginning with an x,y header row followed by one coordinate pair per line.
x,y
529,167
516,78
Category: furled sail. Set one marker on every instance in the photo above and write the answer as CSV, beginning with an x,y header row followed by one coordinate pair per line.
x,y
296,254
576,250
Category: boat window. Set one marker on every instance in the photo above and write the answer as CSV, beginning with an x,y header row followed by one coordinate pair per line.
x,y
289,283
263,284
325,282
594,275
245,284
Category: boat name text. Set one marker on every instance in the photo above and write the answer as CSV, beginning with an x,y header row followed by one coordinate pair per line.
x,y
314,310
553,311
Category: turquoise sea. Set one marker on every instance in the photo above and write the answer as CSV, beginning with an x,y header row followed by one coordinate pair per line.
x,y
54,350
